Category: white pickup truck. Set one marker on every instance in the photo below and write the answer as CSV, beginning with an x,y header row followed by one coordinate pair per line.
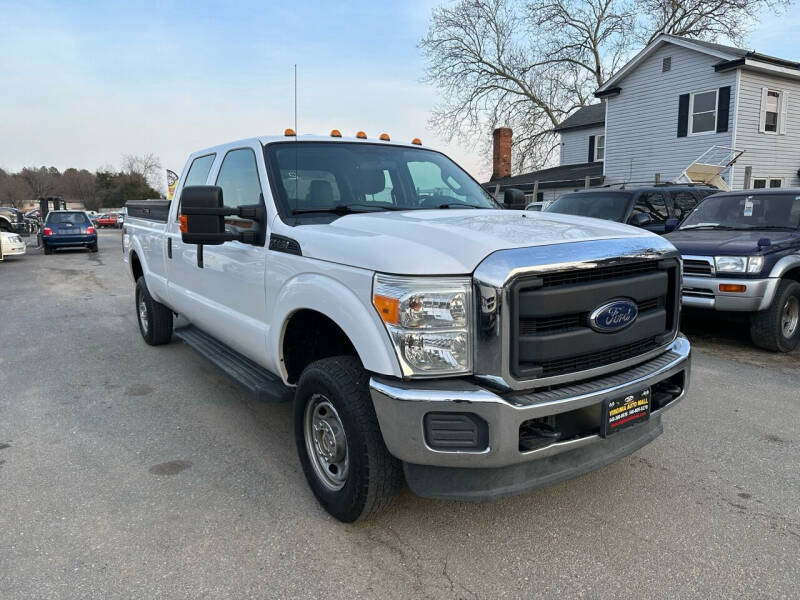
x,y
422,331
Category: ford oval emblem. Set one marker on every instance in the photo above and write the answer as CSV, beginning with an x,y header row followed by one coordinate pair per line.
x,y
613,316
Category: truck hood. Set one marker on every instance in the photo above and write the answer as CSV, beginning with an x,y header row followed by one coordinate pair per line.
x,y
710,242
443,242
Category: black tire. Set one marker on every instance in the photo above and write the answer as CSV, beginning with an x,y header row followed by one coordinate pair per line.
x,y
93,247
373,476
767,327
48,250
157,329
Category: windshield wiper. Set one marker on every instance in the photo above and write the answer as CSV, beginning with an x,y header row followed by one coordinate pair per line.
x,y
345,209
708,226
762,227
459,204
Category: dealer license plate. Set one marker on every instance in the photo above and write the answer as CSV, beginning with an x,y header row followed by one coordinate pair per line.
x,y
621,413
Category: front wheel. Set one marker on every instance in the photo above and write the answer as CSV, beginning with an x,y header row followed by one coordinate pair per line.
x,y
155,319
339,440
778,328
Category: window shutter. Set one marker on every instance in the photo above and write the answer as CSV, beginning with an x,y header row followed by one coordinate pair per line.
x,y
763,114
591,149
683,115
723,108
784,112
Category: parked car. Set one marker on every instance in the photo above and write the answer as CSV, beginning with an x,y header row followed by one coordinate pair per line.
x,y
741,252
68,228
106,220
536,206
657,208
11,219
425,335
12,244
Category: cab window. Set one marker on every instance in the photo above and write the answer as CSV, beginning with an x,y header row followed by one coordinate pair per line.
x,y
652,204
238,178
198,174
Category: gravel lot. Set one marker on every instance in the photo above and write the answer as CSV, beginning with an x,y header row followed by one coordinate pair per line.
x,y
139,472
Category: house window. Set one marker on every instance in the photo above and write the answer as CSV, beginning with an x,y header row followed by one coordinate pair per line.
x,y
771,109
703,111
666,64
599,147
764,182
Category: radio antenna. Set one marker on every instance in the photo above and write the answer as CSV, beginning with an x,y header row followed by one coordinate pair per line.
x,y
295,100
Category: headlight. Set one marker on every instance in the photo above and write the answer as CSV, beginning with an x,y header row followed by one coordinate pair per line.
x,y
739,264
429,322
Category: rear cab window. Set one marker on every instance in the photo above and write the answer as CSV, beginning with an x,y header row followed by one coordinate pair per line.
x,y
197,175
653,204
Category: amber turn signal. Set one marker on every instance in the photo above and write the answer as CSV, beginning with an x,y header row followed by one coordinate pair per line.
x,y
732,287
289,132
361,135
336,133
416,142
184,223
388,308
385,137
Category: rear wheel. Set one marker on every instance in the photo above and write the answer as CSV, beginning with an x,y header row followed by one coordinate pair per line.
x,y
48,250
93,247
339,441
778,328
155,319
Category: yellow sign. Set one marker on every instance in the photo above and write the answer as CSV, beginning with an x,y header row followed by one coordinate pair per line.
x,y
172,183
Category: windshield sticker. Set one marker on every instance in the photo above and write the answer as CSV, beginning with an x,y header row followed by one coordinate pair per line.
x,y
748,207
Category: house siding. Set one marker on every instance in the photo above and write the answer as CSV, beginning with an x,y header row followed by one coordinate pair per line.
x,y
575,144
769,154
642,121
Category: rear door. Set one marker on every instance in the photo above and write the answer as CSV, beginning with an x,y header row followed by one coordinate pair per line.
x,y
232,281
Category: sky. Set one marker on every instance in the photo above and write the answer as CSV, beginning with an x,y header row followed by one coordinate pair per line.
x,y
82,83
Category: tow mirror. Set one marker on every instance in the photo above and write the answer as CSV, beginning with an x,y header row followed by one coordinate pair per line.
x,y
670,225
203,217
513,198
640,220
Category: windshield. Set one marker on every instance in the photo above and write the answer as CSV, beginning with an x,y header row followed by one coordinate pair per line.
x,y
759,211
610,206
326,177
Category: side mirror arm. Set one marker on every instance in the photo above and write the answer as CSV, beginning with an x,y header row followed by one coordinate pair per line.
x,y
254,212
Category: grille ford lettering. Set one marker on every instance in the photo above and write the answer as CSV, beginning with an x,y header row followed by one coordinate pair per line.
x,y
613,316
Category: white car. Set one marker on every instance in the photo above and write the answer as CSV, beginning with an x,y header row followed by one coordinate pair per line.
x,y
12,244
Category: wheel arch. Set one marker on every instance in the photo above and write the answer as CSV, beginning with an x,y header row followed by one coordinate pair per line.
x,y
310,299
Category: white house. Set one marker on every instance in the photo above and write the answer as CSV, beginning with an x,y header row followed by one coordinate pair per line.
x,y
671,104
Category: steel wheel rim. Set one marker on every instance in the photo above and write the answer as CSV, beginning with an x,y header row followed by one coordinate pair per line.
x,y
790,316
326,442
143,320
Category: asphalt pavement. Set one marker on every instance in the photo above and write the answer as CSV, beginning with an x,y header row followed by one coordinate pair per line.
x,y
128,471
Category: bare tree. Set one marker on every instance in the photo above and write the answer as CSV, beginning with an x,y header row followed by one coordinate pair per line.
x,y
41,181
13,189
530,64
147,165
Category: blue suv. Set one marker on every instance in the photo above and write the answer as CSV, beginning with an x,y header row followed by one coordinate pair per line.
x,y
741,252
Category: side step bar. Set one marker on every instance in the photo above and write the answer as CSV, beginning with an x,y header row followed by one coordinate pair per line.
x,y
262,384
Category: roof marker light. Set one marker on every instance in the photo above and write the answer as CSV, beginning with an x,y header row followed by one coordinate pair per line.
x,y
336,133
361,135
288,132
385,137
416,142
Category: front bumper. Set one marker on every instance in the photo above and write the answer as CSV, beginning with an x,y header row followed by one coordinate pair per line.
x,y
502,467
14,249
703,292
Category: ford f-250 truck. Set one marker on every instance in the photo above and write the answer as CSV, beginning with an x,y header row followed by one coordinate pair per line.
x,y
422,331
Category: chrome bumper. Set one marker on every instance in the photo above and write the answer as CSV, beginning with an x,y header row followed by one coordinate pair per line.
x,y
402,405
703,292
